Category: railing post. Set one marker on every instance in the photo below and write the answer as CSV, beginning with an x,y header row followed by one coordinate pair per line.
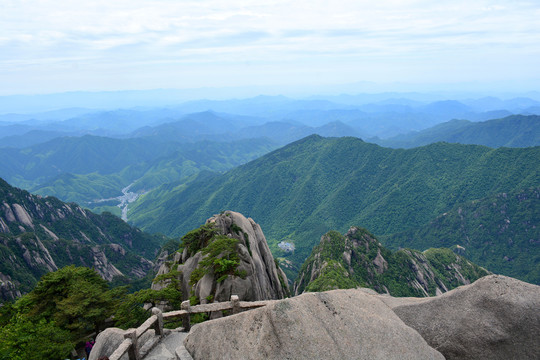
x,y
186,319
133,351
235,302
159,321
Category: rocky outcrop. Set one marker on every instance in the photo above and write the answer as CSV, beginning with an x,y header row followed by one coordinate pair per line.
x,y
357,259
227,256
497,317
339,324
8,290
494,318
42,234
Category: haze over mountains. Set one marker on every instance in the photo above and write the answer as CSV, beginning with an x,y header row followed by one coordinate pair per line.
x,y
167,168
381,115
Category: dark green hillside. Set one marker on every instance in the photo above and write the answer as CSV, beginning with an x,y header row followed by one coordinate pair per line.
x,y
357,259
89,169
77,155
314,185
511,131
500,232
42,234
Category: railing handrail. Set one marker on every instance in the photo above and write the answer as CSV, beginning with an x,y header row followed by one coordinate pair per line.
x,y
130,343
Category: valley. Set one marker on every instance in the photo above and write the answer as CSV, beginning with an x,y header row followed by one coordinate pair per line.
x,y
124,200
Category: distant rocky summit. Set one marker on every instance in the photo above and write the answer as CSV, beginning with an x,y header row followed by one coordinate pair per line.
x,y
494,318
357,259
228,255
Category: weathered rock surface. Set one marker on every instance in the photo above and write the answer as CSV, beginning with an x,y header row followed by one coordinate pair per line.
x,y
339,324
42,234
107,342
261,279
110,339
497,317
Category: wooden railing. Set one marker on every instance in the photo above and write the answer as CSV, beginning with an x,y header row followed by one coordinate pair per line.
x,y
130,345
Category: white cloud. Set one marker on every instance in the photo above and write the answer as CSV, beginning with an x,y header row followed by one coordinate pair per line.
x,y
390,34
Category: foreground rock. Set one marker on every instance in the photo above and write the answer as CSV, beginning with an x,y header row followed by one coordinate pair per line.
x,y
339,324
497,317
110,339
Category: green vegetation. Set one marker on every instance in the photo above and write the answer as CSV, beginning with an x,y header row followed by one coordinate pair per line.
x,y
66,306
23,339
63,234
333,276
221,258
314,185
499,232
130,312
197,239
85,169
357,259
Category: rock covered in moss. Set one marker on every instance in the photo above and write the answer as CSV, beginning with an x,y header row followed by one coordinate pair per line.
x,y
227,256
358,259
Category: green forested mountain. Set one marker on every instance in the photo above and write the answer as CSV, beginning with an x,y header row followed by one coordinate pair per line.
x,y
500,232
42,234
511,131
89,168
357,259
314,185
76,155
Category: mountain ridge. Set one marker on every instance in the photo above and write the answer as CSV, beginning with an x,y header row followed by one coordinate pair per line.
x,y
317,184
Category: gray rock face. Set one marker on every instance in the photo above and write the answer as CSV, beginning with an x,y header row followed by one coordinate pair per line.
x,y
263,275
8,290
110,339
107,342
496,317
339,324
39,234
263,280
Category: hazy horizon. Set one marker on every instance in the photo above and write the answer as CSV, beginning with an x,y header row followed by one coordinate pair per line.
x,y
300,48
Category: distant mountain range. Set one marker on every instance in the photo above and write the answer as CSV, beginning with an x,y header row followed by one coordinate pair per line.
x,y
511,131
314,185
367,116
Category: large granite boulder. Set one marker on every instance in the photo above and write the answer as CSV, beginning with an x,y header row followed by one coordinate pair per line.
x,y
107,342
110,339
339,324
496,317
256,277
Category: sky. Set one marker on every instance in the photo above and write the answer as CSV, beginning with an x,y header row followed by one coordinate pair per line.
x,y
49,46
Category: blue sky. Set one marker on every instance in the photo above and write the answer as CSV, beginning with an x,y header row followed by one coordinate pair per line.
x,y
52,46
